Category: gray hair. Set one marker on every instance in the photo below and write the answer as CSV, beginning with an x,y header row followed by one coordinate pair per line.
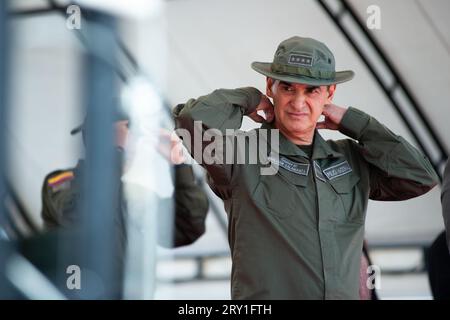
x,y
274,87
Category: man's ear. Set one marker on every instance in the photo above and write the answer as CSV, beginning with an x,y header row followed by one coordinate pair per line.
x,y
269,83
331,90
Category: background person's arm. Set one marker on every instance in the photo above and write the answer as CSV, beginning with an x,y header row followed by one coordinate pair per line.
x,y
191,206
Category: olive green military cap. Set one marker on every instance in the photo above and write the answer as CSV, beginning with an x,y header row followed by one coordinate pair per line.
x,y
305,61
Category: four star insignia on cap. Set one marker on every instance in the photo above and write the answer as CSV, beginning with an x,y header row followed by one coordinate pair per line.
x,y
300,59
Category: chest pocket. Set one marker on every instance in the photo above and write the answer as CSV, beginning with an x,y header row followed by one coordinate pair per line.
x,y
277,193
346,190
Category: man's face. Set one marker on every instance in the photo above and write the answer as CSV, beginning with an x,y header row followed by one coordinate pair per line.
x,y
298,107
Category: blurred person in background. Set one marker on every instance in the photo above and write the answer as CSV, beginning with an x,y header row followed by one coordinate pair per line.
x,y
58,246
61,192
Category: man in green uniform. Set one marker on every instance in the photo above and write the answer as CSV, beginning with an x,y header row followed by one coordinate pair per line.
x,y
61,193
298,234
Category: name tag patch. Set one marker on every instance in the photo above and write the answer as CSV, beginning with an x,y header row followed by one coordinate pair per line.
x,y
292,166
337,170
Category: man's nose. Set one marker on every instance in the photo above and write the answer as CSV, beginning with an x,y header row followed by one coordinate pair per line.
x,y
298,101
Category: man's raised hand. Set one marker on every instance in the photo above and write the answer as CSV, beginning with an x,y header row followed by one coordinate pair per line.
x,y
266,106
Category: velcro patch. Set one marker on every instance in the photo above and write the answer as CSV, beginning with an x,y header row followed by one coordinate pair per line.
x,y
301,60
337,170
292,166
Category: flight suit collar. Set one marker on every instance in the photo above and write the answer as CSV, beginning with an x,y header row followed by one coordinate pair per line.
x,y
321,149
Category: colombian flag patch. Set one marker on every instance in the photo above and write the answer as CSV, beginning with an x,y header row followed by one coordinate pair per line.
x,y
60,178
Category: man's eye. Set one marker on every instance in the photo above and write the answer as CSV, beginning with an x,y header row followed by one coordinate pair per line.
x,y
288,89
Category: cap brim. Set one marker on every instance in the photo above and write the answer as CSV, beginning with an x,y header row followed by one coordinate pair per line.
x,y
265,69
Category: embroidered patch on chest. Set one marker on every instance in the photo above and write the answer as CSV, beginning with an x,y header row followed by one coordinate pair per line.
x,y
337,170
292,166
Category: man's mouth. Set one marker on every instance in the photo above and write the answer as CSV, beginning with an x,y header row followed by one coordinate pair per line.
x,y
298,114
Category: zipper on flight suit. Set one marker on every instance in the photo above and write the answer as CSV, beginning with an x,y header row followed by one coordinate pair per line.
x,y
313,172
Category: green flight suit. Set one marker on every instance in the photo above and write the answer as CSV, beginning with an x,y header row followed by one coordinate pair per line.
x,y
298,234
